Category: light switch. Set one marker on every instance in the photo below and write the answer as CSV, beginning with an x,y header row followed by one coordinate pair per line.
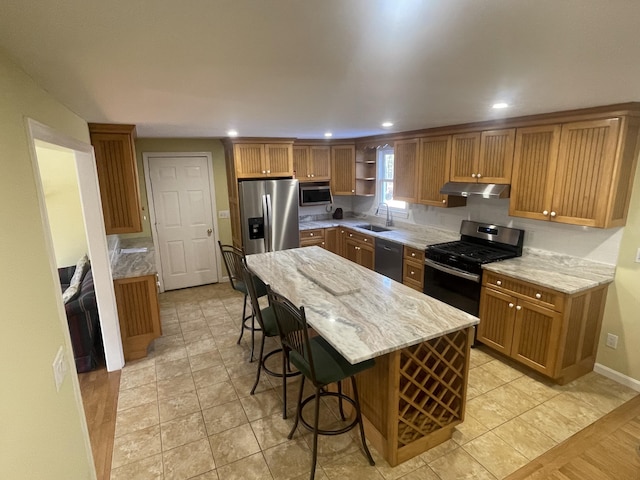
x,y
223,214
638,255
59,367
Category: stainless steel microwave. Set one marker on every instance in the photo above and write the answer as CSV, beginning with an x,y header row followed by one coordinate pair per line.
x,y
315,194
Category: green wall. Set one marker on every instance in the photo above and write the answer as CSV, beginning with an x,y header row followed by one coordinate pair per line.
x,y
177,145
42,434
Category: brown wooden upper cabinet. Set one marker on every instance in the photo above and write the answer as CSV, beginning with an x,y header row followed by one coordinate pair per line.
x,y
117,176
312,163
482,157
343,169
263,160
578,173
434,166
405,170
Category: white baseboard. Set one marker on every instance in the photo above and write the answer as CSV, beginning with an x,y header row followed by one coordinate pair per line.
x,y
617,377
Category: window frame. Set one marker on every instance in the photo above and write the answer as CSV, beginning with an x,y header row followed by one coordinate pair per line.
x,y
383,180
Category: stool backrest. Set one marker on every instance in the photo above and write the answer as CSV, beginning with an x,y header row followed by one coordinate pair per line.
x,y
232,258
294,335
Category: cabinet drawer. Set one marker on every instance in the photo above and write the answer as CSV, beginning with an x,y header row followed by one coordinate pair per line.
x,y
310,242
312,234
534,293
359,237
413,274
414,254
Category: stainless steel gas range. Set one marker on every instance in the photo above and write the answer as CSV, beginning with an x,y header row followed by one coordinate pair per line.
x,y
453,270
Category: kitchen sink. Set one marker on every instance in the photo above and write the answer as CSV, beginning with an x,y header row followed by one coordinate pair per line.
x,y
373,228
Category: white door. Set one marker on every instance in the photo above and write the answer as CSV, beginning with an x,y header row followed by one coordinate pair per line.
x,y
181,195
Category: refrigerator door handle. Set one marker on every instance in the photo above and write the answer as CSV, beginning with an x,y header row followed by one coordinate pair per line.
x,y
266,208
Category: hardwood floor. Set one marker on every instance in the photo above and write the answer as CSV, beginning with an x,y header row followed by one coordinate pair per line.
x,y
100,398
606,449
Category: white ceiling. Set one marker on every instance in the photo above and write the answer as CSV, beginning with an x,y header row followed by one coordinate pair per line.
x,y
298,68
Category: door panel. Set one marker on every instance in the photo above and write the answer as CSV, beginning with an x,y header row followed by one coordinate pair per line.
x,y
496,320
184,220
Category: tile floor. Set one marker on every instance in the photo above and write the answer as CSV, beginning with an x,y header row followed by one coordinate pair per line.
x,y
185,411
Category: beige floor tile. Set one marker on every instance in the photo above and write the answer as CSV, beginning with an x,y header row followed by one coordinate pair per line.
x,y
201,346
224,417
210,475
488,412
166,371
483,381
182,430
289,460
494,454
353,466
138,364
229,340
169,340
192,320
232,445
216,394
439,451
214,312
550,422
601,384
253,467
525,438
133,397
170,354
503,371
272,430
137,418
171,329
534,389
468,430
511,398
188,460
191,336
205,360
392,473
210,376
178,406
185,306
229,328
261,405
579,412
136,446
244,384
479,357
137,377
603,402
332,447
459,465
149,468
423,473
175,386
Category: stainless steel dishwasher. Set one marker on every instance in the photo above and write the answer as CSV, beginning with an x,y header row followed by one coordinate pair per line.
x,y
388,259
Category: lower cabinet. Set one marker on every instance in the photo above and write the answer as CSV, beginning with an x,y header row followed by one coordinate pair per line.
x,y
331,238
139,314
359,248
413,268
554,333
309,238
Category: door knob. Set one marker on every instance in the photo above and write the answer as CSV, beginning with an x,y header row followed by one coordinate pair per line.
x,y
209,232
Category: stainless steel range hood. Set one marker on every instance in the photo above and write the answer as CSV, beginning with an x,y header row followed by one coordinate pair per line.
x,y
485,190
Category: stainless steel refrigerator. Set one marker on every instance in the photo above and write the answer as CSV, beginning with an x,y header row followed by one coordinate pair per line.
x,y
269,215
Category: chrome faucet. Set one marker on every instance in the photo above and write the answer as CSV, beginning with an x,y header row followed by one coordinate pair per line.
x,y
389,219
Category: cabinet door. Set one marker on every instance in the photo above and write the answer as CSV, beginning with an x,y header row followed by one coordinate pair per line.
x,y
301,162
320,163
584,172
405,170
465,155
343,169
351,249
434,166
496,156
279,160
535,336
331,239
118,177
250,160
534,166
497,313
413,274
366,256
138,313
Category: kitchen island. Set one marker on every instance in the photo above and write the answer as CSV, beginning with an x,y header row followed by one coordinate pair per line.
x,y
415,395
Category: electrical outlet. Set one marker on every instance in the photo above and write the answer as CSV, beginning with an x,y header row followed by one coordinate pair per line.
x,y
612,340
223,214
638,255
59,367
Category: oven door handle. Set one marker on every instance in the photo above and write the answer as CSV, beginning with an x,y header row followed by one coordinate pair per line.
x,y
474,277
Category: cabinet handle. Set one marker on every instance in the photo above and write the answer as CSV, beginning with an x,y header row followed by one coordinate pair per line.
x,y
511,305
322,243
311,234
341,231
473,175
444,201
412,272
308,175
413,254
545,212
264,171
479,176
553,214
538,296
519,307
353,191
268,171
499,282
365,239
351,234
312,175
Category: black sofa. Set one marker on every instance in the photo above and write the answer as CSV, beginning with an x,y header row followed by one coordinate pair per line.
x,y
83,321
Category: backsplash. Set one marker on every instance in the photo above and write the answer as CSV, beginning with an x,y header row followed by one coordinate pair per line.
x,y
595,244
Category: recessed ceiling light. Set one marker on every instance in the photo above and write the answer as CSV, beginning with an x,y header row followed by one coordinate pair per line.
x,y
500,105
232,133
328,134
387,124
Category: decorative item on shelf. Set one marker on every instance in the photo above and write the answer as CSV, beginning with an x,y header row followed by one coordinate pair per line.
x,y
338,214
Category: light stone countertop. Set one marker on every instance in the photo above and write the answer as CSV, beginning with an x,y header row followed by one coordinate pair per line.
x,y
563,273
379,317
134,264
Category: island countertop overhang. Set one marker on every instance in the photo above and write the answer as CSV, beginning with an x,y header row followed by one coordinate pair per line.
x,y
368,315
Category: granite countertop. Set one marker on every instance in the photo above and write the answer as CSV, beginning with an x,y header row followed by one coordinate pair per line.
x,y
563,273
133,257
361,313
